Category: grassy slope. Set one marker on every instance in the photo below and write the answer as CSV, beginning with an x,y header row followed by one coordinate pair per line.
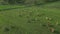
x,y
9,7
20,19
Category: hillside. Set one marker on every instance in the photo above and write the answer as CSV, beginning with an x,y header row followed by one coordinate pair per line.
x,y
29,20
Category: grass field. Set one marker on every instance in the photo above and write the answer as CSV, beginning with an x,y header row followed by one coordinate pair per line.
x,y
29,20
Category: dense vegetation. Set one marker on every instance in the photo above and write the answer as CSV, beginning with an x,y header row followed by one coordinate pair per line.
x,y
24,2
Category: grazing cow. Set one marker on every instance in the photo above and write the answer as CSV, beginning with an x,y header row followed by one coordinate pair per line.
x,y
52,29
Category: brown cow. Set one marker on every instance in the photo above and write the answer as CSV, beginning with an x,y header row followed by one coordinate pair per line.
x,y
52,29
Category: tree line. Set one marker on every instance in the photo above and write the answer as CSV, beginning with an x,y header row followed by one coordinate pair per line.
x,y
26,2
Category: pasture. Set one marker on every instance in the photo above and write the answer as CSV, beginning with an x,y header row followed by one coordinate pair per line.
x,y
29,20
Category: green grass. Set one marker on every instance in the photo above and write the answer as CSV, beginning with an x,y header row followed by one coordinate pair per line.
x,y
29,20
9,7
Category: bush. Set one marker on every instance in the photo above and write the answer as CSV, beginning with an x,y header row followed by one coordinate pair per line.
x,y
6,29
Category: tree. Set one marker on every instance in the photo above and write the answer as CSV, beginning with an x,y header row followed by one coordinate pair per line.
x,y
28,2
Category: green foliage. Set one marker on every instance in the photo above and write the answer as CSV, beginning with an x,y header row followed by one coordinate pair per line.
x,y
27,2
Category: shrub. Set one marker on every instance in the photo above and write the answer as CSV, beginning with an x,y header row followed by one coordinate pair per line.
x,y
6,29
